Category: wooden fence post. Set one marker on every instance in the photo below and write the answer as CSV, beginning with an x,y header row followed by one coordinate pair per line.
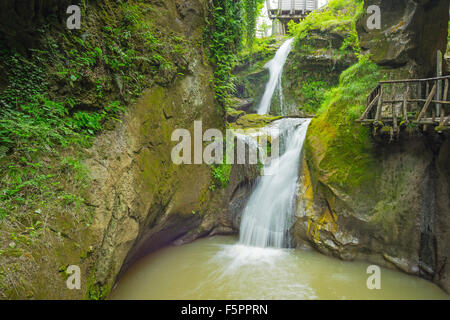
x,y
439,83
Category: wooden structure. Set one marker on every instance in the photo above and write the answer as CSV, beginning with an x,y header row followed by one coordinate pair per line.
x,y
397,103
287,10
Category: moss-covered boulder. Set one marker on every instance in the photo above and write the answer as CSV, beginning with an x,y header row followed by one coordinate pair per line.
x,y
312,68
250,121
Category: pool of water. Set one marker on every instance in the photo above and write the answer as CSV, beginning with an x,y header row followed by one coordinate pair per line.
x,y
219,268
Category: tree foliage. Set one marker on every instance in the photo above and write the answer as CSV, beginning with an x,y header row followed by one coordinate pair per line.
x,y
227,23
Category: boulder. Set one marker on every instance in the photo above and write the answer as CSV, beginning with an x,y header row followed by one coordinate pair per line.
x,y
411,33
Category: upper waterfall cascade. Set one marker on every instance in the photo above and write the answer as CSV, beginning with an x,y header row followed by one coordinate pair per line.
x,y
275,67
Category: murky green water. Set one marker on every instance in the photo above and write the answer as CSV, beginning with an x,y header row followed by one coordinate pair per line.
x,y
217,268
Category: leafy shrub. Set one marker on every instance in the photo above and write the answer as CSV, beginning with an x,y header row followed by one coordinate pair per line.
x,y
221,175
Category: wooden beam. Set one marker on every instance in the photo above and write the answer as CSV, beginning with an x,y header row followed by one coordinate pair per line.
x,y
379,107
369,107
446,121
405,102
414,80
444,97
420,90
394,112
424,100
439,82
428,102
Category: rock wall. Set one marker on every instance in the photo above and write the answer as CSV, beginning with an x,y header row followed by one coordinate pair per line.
x,y
391,207
143,201
313,66
397,219
411,33
140,201
20,20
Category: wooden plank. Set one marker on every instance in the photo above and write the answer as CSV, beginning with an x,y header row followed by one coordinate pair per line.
x,y
415,80
439,82
427,104
405,102
415,100
444,97
424,100
379,107
369,107
394,112
394,118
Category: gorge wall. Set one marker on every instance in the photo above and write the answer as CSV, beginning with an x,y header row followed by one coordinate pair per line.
x,y
136,200
366,197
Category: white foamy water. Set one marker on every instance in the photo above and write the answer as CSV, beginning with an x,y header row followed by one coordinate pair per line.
x,y
269,212
275,67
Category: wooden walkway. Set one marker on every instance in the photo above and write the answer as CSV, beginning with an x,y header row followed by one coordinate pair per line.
x,y
400,103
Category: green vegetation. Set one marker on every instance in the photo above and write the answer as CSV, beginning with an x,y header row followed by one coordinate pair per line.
x,y
339,16
340,149
326,44
224,38
314,94
252,9
75,86
54,99
221,175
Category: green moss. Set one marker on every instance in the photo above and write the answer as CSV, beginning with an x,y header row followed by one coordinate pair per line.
x,y
339,16
326,43
253,121
97,292
340,150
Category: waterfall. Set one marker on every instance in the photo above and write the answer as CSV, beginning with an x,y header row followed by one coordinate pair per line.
x,y
269,212
275,67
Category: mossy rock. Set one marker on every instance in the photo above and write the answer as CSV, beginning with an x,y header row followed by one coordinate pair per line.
x,y
253,121
233,115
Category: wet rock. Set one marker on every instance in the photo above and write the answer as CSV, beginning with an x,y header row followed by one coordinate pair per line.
x,y
255,121
233,115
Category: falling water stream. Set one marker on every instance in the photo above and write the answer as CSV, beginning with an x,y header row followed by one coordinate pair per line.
x,y
269,211
259,265
275,67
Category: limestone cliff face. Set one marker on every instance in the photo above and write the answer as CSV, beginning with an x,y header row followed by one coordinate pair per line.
x,y
143,201
411,33
395,219
392,205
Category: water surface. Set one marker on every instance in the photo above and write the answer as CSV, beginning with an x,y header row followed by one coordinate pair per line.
x,y
219,268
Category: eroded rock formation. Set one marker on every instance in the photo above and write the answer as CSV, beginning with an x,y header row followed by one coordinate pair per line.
x,y
394,209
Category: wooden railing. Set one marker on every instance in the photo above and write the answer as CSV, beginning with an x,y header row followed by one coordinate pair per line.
x,y
402,102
